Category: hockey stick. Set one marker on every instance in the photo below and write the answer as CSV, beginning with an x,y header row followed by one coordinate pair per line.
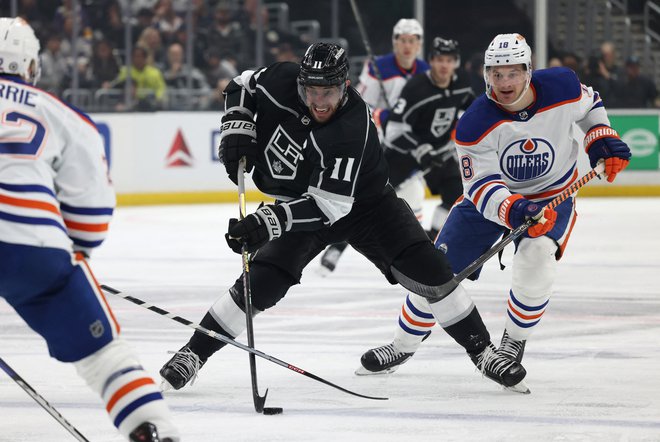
x,y
449,286
259,401
230,341
41,401
370,54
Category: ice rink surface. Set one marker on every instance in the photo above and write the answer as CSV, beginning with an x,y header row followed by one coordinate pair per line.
x,y
593,365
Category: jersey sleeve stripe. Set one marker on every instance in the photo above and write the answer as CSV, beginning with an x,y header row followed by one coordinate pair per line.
x,y
32,204
561,103
489,194
86,227
31,220
27,188
86,210
484,181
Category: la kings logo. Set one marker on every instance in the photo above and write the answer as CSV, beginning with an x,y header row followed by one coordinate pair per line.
x,y
283,155
442,120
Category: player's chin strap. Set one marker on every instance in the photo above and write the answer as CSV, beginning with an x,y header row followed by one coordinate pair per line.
x,y
436,293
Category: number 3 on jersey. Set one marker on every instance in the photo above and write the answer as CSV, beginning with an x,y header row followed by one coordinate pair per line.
x,y
20,134
348,169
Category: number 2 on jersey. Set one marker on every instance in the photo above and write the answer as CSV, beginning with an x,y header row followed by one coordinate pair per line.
x,y
28,144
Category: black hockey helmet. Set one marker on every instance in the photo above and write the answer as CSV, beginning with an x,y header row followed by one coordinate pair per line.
x,y
324,64
444,46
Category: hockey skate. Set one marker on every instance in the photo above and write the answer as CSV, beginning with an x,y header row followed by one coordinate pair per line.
x,y
331,257
147,432
508,373
384,360
181,369
510,348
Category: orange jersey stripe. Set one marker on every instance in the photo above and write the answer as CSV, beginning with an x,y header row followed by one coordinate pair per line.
x,y
32,204
413,322
100,293
85,227
123,391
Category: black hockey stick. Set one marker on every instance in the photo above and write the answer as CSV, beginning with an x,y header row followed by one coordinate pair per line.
x,y
449,286
259,401
370,54
230,341
41,401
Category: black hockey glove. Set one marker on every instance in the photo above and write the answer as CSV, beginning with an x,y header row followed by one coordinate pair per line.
x,y
239,139
265,224
427,156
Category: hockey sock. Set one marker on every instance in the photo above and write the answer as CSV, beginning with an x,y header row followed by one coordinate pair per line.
x,y
524,314
415,322
130,394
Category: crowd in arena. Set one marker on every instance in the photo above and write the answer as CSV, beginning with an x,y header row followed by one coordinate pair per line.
x,y
223,44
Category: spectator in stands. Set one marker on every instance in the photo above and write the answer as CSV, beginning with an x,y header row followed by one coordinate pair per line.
x,y
554,62
144,20
104,66
151,40
109,23
147,81
594,75
608,67
572,61
167,21
182,94
225,35
218,67
285,52
32,12
635,90
83,42
54,65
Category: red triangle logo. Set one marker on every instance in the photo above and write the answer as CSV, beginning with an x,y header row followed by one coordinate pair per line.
x,y
179,154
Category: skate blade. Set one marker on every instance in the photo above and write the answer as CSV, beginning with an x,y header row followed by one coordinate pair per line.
x,y
165,386
323,271
521,387
361,371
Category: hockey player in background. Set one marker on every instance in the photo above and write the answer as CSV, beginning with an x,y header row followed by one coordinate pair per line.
x,y
380,86
314,148
56,201
518,148
419,133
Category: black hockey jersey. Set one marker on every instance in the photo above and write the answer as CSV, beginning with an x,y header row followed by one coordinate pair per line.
x,y
426,113
319,171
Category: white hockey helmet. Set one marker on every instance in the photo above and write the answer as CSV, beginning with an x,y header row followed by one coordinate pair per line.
x,y
19,50
407,26
505,50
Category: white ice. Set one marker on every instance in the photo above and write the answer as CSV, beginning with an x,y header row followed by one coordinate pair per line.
x,y
593,364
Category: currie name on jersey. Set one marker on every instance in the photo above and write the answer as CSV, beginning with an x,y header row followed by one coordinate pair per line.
x,y
527,159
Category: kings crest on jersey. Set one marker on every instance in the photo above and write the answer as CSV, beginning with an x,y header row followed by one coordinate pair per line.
x,y
299,156
502,152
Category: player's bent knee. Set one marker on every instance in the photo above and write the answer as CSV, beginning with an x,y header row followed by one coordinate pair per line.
x,y
423,269
268,284
534,267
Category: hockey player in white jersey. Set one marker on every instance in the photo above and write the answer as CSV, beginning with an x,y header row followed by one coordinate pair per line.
x,y
380,87
56,201
518,148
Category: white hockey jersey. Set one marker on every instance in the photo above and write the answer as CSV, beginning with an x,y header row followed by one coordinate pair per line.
x,y
532,152
55,190
394,78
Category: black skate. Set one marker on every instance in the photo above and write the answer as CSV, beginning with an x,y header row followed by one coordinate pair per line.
x,y
331,257
181,369
147,432
510,348
384,360
508,373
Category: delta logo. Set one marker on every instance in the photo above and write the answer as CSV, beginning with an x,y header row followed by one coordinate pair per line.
x,y
527,159
179,154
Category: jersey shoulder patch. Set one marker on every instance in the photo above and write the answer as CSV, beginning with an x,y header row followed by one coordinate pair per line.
x,y
478,120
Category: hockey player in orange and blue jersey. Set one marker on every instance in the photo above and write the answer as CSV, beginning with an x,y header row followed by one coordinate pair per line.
x,y
518,148
56,201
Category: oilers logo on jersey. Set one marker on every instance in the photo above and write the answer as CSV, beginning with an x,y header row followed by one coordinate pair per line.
x,y
282,155
527,159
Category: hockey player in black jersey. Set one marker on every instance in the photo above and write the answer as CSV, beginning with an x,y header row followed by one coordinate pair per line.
x,y
419,136
315,149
